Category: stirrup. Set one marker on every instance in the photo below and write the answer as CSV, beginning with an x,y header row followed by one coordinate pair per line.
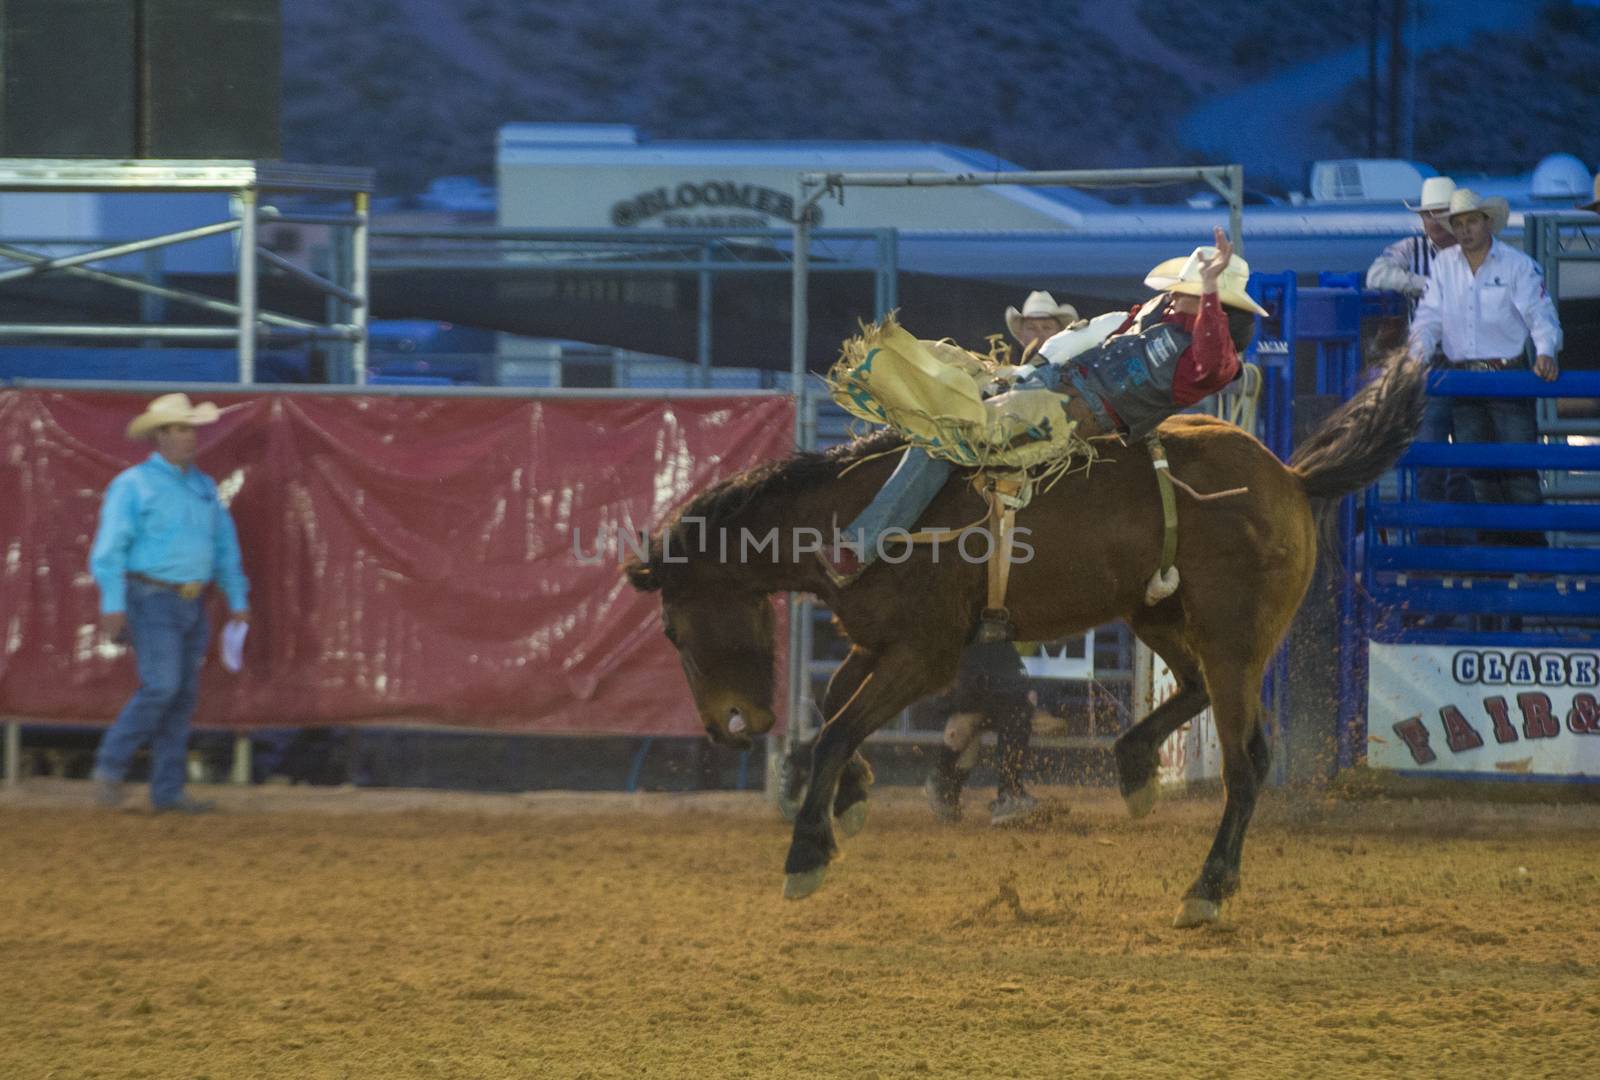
x,y
994,625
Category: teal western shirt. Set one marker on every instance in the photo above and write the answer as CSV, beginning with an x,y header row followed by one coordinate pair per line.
x,y
168,524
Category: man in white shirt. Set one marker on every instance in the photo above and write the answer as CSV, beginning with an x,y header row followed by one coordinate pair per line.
x,y
1404,267
1484,300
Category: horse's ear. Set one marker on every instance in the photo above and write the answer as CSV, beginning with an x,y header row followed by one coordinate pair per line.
x,y
642,576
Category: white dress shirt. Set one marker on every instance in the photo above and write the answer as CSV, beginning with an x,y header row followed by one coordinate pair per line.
x,y
1488,315
1403,266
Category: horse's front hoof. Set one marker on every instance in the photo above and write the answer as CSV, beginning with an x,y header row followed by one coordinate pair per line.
x,y
853,820
800,886
1141,802
1197,912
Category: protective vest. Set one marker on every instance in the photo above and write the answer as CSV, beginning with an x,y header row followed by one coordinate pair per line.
x,y
1133,374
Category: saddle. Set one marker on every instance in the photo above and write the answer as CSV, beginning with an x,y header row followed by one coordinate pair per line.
x,y
932,393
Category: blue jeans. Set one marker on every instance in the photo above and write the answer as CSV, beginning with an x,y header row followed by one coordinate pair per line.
x,y
1503,420
914,483
899,503
1441,485
169,636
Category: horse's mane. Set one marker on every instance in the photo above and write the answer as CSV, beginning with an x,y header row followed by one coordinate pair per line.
x,y
722,504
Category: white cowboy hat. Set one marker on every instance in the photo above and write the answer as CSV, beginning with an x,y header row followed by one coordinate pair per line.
x,y
1039,305
1467,201
1182,275
172,409
1436,192
1595,203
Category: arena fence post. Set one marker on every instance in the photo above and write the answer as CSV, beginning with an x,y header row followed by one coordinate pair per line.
x,y
241,759
360,279
247,285
13,752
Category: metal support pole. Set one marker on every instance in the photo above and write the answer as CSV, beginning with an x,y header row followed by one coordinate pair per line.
x,y
135,330
316,281
241,760
334,263
805,614
247,285
146,288
13,752
359,237
799,286
274,215
1236,207
1067,177
152,305
46,265
888,281
804,437
703,336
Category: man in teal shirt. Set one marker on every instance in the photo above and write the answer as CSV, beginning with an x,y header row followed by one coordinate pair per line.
x,y
164,536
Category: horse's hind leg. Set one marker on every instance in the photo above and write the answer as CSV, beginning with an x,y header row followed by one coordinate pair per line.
x,y
849,803
893,680
1236,706
850,800
1138,748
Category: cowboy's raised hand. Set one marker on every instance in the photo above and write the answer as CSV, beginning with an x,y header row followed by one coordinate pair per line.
x,y
1212,268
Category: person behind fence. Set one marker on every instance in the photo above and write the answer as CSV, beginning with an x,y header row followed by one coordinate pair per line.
x,y
991,691
1038,320
1168,353
164,537
1483,302
1405,267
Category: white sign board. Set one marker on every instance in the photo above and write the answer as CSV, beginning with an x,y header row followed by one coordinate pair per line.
x,y
1454,709
1070,659
1192,752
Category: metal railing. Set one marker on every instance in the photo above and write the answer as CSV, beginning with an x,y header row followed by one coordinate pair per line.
x,y
245,182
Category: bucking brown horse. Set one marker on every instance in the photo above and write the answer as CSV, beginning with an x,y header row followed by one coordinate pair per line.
x,y
1244,560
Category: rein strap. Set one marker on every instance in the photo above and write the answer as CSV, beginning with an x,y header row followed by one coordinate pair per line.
x,y
1169,503
1164,582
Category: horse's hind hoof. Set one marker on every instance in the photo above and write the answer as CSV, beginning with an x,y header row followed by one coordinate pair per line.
x,y
1196,912
800,886
1141,802
853,820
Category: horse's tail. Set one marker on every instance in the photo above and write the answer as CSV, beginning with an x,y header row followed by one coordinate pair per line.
x,y
1366,435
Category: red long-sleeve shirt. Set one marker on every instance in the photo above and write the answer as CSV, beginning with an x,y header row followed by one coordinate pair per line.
x,y
1210,362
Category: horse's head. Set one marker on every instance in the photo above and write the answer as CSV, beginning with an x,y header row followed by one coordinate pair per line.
x,y
725,643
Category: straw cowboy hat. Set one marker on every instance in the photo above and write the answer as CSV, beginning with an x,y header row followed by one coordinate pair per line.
x,y
1182,275
1436,192
1039,305
1467,201
1595,203
171,409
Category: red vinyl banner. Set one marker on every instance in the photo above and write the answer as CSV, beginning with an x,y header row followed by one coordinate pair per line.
x,y
441,560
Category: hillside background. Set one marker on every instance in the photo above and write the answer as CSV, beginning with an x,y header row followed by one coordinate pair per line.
x,y
418,88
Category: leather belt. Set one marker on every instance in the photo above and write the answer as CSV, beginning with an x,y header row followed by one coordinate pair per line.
x,y
188,590
1511,363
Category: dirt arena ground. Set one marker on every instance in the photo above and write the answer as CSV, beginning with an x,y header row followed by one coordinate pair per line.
x,y
337,933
